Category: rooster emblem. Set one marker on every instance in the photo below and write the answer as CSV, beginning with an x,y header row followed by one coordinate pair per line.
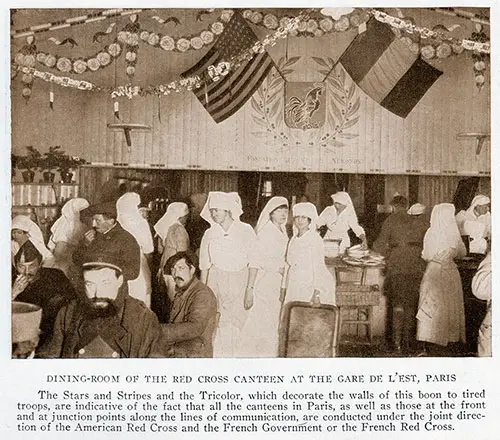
x,y
299,113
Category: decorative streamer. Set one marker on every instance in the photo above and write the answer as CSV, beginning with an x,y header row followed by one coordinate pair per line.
x,y
397,23
90,18
51,99
214,72
59,80
159,109
116,108
455,12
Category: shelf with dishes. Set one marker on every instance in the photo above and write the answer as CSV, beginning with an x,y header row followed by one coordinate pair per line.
x,y
42,194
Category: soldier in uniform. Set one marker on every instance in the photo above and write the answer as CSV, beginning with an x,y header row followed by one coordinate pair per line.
x,y
191,326
105,322
107,236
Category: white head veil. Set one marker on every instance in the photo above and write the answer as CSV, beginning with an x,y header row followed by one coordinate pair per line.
x,y
222,200
175,211
345,199
129,217
265,215
68,227
443,232
478,201
24,223
306,209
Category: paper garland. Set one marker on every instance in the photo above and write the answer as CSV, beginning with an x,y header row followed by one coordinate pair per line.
x,y
130,35
127,41
185,84
425,33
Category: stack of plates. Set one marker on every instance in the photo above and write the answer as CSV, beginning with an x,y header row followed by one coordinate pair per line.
x,y
357,252
369,259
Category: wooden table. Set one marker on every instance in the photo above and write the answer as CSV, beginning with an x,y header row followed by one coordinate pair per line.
x,y
373,275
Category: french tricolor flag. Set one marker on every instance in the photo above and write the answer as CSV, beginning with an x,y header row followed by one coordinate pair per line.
x,y
386,70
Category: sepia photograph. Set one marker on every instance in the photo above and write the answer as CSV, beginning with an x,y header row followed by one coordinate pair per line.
x,y
285,182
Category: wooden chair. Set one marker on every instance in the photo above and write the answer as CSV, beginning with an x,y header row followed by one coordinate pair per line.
x,y
309,331
352,295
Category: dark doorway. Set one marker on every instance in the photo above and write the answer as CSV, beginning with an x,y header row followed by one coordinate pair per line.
x,y
465,193
374,195
332,183
255,192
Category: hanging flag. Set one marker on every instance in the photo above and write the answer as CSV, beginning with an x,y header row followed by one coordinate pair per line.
x,y
386,70
224,95
305,104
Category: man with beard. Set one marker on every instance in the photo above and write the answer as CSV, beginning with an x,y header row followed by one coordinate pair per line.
x,y
108,237
45,287
192,321
105,322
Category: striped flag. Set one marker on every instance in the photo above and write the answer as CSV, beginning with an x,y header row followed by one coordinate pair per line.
x,y
226,96
386,70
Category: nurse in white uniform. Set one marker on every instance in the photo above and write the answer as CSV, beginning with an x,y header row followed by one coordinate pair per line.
x,y
259,337
308,277
129,217
339,218
224,258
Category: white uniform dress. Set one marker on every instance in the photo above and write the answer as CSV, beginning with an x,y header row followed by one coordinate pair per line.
x,y
481,288
225,255
259,337
67,231
307,270
469,215
133,222
305,257
339,224
441,316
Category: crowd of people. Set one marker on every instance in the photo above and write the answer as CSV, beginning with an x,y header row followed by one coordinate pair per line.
x,y
226,282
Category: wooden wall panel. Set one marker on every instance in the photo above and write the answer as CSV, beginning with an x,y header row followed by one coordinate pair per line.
x,y
395,184
220,181
186,137
436,189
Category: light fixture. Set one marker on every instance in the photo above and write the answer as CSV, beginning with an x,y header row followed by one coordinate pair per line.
x,y
127,128
480,138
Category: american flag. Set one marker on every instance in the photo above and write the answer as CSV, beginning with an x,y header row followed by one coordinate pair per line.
x,y
226,96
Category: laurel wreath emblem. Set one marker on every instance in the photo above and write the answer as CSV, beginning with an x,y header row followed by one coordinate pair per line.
x,y
343,103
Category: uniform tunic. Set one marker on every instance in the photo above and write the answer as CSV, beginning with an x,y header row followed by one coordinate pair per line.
x,y
191,325
339,225
117,241
132,333
441,316
225,255
259,336
307,270
401,242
